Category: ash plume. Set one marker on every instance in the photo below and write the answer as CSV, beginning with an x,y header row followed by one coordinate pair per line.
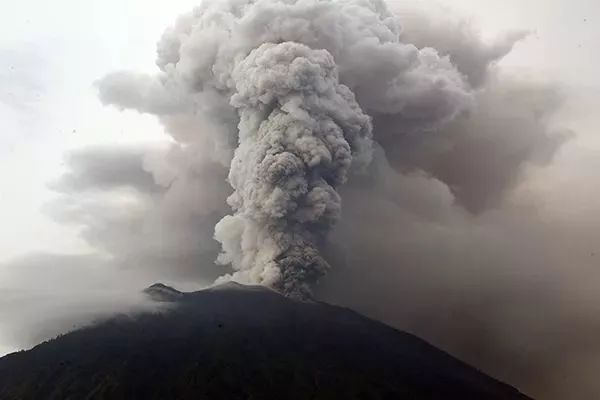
x,y
299,131
295,77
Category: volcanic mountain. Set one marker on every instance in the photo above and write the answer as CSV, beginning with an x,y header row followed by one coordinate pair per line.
x,y
241,342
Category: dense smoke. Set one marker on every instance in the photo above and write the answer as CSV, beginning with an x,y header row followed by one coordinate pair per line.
x,y
299,130
292,72
384,142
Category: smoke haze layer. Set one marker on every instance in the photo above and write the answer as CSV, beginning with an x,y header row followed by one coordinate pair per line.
x,y
377,155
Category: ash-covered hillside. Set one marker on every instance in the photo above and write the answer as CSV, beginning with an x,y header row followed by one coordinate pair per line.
x,y
238,342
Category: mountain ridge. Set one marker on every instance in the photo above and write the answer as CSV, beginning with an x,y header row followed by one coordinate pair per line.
x,y
238,342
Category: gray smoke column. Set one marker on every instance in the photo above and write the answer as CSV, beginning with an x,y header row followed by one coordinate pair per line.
x,y
287,82
298,131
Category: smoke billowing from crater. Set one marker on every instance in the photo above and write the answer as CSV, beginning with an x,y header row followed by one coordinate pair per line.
x,y
299,132
296,81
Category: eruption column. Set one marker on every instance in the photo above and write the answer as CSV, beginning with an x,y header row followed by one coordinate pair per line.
x,y
299,131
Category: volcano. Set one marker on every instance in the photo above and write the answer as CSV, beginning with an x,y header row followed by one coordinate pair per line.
x,y
241,342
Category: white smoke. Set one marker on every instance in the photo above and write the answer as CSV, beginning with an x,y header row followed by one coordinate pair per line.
x,y
293,76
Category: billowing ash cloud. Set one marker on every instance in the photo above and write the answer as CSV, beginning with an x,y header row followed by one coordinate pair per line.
x,y
467,220
299,131
295,77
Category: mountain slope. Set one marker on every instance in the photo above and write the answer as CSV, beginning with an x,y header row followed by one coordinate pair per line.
x,y
237,342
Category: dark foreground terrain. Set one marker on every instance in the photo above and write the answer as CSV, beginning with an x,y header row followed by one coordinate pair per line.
x,y
236,342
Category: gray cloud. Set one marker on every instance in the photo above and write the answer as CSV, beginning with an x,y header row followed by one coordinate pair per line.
x,y
146,207
105,168
481,155
431,25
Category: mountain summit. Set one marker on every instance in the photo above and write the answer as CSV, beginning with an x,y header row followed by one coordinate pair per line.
x,y
242,342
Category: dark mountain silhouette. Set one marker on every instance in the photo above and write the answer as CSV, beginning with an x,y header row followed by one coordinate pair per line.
x,y
237,342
